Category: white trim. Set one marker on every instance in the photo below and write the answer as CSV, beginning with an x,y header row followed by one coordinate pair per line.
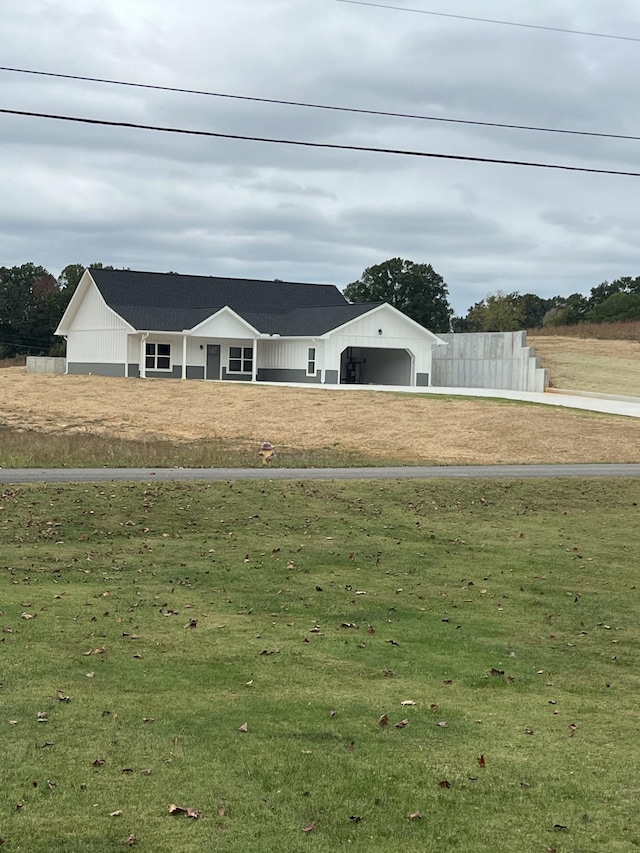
x,y
436,341
184,356
226,310
74,303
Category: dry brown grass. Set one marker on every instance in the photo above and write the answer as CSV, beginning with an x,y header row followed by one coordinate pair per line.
x,y
587,364
416,429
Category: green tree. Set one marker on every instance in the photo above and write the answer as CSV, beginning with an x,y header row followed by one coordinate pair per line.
x,y
616,309
28,309
415,289
498,312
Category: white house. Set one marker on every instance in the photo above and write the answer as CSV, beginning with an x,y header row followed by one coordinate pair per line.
x,y
125,323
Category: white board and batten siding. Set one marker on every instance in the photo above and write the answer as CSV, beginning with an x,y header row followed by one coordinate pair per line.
x,y
96,333
383,328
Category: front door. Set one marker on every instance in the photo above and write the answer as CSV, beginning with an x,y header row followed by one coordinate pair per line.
x,y
213,361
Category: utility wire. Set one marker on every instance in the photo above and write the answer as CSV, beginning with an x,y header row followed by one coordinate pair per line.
x,y
491,21
320,106
325,145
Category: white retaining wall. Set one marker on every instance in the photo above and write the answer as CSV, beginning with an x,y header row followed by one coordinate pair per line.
x,y
45,364
488,360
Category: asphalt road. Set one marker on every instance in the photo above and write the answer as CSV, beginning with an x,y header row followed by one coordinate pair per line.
x,y
10,476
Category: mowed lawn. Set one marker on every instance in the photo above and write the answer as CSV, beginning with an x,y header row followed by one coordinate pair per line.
x,y
236,649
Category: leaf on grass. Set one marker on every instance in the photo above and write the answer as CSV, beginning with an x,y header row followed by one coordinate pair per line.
x,y
221,811
89,674
148,720
146,771
332,714
370,629
306,641
481,761
127,769
560,827
348,625
415,816
61,697
309,827
51,785
434,707
265,652
383,721
408,702
131,840
402,724
496,673
13,722
244,727
444,783
349,747
388,673
355,818
393,642
528,730
573,728
28,616
192,623
117,813
44,745
99,762
138,656
443,724
42,717
448,681
189,812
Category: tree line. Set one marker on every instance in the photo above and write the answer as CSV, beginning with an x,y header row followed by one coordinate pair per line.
x,y
32,301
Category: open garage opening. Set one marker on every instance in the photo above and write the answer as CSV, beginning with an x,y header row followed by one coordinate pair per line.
x,y
376,366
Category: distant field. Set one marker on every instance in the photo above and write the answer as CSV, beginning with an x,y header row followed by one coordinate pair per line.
x,y
590,364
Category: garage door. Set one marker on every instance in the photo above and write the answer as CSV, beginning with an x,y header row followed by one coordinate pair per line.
x,y
372,366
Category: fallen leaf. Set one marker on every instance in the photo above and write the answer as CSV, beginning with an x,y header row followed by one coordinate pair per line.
x,y
131,840
444,783
349,747
415,816
332,714
13,722
574,728
221,811
355,818
51,785
28,616
383,721
448,681
309,827
481,761
61,697
42,717
127,769
401,724
496,673
270,652
116,813
393,642
408,702
148,719
370,629
560,827
244,727
528,730
192,623
89,674
434,707
99,762
189,812
443,724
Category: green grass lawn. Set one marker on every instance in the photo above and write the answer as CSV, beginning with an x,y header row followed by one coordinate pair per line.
x,y
165,617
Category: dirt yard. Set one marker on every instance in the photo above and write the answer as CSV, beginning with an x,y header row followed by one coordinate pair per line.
x,y
417,429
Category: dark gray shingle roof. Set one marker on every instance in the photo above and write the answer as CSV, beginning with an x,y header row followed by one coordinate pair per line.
x,y
169,302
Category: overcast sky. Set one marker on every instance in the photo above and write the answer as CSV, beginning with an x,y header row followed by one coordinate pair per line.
x,y
73,193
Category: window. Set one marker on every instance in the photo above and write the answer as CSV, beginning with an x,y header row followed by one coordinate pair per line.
x,y
158,357
311,361
240,359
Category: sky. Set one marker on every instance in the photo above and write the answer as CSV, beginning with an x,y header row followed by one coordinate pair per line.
x,y
81,193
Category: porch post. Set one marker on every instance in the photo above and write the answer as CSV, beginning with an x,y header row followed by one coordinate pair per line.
x,y
143,355
184,356
254,369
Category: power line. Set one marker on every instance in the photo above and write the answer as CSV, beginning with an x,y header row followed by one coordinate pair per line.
x,y
356,110
325,145
491,21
